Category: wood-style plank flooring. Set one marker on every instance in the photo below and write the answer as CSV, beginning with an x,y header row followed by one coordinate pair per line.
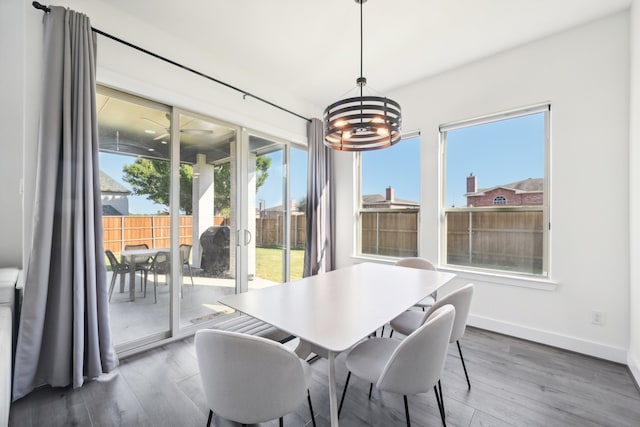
x,y
514,383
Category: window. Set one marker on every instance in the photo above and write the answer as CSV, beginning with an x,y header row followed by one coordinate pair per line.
x,y
390,200
495,192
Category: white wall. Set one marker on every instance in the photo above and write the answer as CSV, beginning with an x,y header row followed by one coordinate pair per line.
x,y
12,44
634,194
584,73
124,68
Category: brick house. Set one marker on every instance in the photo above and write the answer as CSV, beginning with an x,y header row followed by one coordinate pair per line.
x,y
527,192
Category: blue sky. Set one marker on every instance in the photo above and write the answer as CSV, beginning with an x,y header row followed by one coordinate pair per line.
x,y
397,166
271,190
496,153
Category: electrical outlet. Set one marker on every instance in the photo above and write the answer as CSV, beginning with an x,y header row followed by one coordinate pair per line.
x,y
597,317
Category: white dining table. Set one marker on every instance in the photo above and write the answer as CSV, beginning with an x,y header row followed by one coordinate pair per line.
x,y
336,310
133,256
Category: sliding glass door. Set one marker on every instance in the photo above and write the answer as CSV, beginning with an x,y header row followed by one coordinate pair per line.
x,y
199,208
134,182
276,200
208,198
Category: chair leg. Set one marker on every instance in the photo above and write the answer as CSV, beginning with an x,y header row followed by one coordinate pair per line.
x,y
281,422
313,417
210,417
344,393
463,365
190,273
441,398
113,283
370,390
155,288
406,410
391,334
440,402
382,332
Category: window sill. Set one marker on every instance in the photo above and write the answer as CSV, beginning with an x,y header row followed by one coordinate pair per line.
x,y
531,282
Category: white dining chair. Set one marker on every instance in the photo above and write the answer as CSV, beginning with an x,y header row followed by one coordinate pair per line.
x,y
249,379
411,366
410,320
424,264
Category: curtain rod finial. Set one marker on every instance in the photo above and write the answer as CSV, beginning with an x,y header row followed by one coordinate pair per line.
x,y
42,7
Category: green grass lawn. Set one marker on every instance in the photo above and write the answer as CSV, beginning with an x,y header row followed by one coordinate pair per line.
x,y
269,263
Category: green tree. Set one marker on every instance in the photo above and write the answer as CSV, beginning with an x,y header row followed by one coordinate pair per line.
x,y
302,204
150,178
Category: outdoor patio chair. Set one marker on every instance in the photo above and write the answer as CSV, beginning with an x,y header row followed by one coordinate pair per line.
x,y
185,253
160,264
116,268
141,263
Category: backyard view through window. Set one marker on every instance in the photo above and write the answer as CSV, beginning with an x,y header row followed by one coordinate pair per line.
x,y
495,186
203,205
390,200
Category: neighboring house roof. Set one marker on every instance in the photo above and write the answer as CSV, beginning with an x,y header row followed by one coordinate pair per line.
x,y
529,185
380,199
110,210
110,185
278,209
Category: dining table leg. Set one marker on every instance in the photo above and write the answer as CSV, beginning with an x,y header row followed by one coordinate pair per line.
x,y
333,394
132,279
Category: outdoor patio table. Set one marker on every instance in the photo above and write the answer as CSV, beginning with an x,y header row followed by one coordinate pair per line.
x,y
336,310
133,256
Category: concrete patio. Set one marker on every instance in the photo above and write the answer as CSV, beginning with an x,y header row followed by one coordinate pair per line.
x,y
132,320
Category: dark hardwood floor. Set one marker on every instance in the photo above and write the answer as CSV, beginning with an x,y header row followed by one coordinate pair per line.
x,y
514,383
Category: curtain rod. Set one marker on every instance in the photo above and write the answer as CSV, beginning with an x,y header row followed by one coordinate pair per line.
x,y
244,93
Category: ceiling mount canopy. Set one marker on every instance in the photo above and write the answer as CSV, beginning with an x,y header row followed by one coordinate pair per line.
x,y
362,122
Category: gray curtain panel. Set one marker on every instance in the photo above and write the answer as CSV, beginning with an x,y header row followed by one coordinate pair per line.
x,y
64,335
319,254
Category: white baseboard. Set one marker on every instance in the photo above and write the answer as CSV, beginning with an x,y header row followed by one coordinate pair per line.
x,y
634,366
591,348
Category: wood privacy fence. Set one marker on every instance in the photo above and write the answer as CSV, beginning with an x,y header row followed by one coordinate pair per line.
x,y
270,231
389,232
500,239
154,231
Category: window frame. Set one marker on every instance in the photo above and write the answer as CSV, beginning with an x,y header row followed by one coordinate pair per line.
x,y
359,210
544,108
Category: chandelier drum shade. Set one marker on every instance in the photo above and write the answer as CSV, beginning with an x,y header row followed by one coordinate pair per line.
x,y
363,122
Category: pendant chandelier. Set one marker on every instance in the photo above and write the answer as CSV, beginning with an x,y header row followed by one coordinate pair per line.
x,y
362,122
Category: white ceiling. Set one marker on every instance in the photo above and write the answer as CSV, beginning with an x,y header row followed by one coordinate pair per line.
x,y
311,47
